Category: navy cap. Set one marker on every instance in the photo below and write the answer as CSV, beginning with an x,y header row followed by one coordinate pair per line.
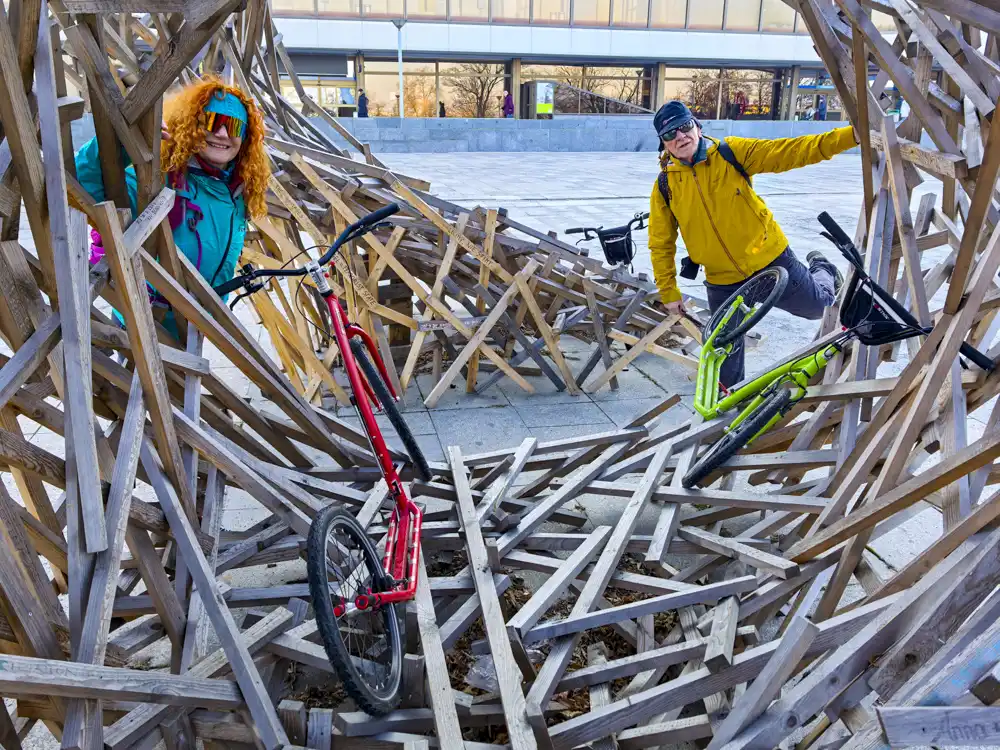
x,y
671,115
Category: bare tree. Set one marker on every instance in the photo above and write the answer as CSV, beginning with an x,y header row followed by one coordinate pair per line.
x,y
474,89
419,93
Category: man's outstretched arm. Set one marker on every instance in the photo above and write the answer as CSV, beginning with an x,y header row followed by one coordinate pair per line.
x,y
782,154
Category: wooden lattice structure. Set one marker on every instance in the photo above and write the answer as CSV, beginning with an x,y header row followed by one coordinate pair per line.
x,y
624,631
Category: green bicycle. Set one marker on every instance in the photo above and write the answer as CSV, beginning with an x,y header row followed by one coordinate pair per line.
x,y
867,313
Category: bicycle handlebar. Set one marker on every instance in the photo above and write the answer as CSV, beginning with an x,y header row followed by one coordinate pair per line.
x,y
838,234
359,228
846,245
635,221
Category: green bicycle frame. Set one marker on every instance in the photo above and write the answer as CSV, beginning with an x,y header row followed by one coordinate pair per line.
x,y
797,372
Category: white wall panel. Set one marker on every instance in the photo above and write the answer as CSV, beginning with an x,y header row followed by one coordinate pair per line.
x,y
537,41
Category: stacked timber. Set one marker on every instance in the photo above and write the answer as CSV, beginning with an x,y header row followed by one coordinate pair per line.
x,y
730,620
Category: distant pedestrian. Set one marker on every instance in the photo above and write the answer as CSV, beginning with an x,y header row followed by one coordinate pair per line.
x,y
362,103
508,104
441,111
821,109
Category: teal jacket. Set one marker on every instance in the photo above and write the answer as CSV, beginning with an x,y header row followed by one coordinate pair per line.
x,y
209,217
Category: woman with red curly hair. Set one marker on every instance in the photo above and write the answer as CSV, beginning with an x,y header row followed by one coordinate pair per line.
x,y
213,155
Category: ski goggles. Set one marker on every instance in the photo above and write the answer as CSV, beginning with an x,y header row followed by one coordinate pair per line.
x,y
234,126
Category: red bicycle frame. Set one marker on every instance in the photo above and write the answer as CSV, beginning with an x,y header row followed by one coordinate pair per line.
x,y
402,546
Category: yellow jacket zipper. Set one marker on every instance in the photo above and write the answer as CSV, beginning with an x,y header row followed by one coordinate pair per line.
x,y
711,221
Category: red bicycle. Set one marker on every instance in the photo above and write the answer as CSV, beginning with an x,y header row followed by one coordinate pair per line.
x,y
354,593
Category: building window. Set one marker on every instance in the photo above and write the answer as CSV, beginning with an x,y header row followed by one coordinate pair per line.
x,y
551,11
776,16
472,89
511,10
382,8
592,12
742,15
747,95
470,10
594,90
340,8
633,13
669,14
426,8
705,14
294,7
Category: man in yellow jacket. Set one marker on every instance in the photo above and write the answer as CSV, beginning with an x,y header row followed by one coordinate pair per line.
x,y
704,191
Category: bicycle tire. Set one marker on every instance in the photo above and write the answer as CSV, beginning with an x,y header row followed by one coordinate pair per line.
x,y
376,700
763,290
391,410
727,445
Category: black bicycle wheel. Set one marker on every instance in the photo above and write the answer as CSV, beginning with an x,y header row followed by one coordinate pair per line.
x,y
726,446
759,294
391,410
365,646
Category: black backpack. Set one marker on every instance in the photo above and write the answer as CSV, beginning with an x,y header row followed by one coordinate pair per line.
x,y
725,151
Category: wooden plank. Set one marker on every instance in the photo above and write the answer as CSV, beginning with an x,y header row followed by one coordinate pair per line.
x,y
561,653
93,640
546,594
622,362
508,675
767,685
138,722
686,689
478,342
708,594
257,700
779,566
719,650
983,451
490,228
446,724
129,278
600,694
320,734
940,726
982,197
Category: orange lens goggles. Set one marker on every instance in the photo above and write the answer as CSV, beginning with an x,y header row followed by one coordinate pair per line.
x,y
234,126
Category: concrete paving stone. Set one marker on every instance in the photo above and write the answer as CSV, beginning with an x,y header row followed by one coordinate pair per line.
x,y
545,392
623,411
561,432
633,383
419,423
478,430
672,377
544,416
455,396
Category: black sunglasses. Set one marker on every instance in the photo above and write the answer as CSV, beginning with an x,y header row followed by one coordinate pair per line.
x,y
669,135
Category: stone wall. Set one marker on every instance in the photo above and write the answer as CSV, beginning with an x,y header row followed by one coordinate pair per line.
x,y
565,133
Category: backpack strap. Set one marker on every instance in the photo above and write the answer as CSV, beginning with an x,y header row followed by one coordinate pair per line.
x,y
726,152
664,186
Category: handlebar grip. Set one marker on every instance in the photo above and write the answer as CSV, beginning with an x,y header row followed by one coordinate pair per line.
x,y
376,216
834,229
232,285
574,230
977,357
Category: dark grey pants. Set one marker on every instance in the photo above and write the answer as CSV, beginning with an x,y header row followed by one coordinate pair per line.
x,y
808,292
